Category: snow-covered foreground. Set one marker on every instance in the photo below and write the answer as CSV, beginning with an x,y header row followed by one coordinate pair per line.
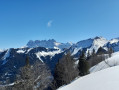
x,y
110,62
107,79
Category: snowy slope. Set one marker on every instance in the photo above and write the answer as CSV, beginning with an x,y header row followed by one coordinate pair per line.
x,y
116,40
1,51
4,58
114,43
107,79
20,51
48,44
98,42
89,44
110,62
44,54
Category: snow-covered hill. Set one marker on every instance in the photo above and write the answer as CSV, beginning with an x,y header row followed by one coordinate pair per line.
x,y
110,62
48,44
107,79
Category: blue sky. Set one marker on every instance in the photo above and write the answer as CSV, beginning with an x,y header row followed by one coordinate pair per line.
x,y
62,20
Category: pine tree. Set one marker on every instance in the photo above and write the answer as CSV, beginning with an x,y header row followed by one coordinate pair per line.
x,y
25,77
27,61
26,70
65,71
88,55
110,51
93,53
97,57
83,65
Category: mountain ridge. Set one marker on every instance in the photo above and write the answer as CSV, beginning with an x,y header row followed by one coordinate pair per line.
x,y
13,58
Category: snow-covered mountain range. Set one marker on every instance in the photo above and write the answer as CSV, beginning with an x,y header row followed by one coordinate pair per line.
x,y
75,48
48,44
48,52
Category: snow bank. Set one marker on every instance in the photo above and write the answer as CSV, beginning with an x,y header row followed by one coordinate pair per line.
x,y
107,79
110,62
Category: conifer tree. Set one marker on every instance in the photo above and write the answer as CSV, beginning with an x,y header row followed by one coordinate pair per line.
x,y
83,65
65,71
27,61
110,51
93,53
31,75
88,55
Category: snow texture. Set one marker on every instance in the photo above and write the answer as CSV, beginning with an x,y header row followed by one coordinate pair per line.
x,y
20,51
75,51
107,79
44,54
114,41
29,50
